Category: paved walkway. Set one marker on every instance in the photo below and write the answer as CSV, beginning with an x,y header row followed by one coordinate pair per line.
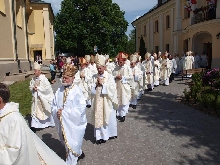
x,y
160,131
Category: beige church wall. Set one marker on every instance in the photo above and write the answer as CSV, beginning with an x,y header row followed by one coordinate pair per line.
x,y
6,34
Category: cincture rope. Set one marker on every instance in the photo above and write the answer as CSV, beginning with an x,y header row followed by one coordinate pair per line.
x,y
65,94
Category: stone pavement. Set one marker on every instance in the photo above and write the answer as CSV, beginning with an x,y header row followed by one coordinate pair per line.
x,y
160,131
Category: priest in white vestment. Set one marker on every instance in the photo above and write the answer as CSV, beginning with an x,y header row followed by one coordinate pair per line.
x,y
176,57
42,97
104,103
83,79
92,66
135,81
69,114
122,74
173,68
148,72
110,66
142,81
188,62
165,70
19,145
156,71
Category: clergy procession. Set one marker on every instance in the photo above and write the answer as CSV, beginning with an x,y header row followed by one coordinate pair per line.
x,y
106,87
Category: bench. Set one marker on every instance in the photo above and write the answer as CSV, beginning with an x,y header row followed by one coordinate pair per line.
x,y
191,72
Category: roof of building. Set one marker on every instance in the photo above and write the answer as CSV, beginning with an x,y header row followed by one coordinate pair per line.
x,y
42,2
151,10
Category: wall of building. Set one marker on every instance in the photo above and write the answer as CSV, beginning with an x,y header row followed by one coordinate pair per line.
x,y
21,31
6,32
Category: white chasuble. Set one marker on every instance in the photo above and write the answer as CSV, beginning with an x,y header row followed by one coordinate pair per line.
x,y
71,126
188,63
165,69
104,99
41,102
92,68
148,72
135,81
123,85
156,70
84,83
19,145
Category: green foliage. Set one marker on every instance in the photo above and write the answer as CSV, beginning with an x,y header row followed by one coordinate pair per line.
x,y
142,48
196,86
21,94
131,42
203,93
82,24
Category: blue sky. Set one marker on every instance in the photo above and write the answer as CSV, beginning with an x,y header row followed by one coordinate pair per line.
x,y
133,8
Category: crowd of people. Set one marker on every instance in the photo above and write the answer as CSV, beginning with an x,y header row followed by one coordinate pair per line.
x,y
108,87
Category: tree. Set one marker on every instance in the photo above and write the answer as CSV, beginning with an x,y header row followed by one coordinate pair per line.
x,y
142,48
131,42
82,24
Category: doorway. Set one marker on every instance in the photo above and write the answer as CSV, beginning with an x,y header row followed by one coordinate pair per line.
x,y
38,56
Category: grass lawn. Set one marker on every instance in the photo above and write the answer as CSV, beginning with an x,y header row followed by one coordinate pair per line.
x,y
21,94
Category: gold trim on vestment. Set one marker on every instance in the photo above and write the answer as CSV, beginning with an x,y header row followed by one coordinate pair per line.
x,y
65,94
6,115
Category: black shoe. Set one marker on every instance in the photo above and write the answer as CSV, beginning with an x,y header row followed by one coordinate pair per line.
x,y
103,141
134,106
110,138
34,129
88,106
118,117
113,137
98,142
82,156
122,119
130,105
149,89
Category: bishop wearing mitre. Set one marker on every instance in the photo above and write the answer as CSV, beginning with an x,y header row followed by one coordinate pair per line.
x,y
165,70
104,102
148,72
42,97
157,66
122,74
135,81
83,79
142,81
69,115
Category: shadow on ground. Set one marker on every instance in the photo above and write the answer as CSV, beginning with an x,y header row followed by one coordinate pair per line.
x,y
55,145
164,112
89,134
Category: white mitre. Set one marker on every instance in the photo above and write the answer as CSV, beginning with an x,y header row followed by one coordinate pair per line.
x,y
190,53
106,56
133,58
147,55
37,66
87,57
68,60
100,60
159,53
187,53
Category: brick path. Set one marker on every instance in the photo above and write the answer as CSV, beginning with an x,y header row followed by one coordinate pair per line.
x,y
160,131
